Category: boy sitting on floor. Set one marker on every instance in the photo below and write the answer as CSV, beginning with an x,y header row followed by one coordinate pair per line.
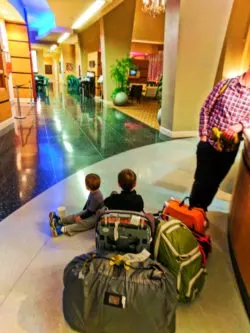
x,y
128,199
84,220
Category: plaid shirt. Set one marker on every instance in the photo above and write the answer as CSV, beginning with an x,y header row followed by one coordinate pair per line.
x,y
232,107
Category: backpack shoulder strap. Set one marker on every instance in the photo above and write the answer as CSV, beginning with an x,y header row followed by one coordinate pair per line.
x,y
221,92
224,87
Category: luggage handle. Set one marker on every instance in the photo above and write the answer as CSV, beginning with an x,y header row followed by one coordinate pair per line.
x,y
183,202
190,208
157,275
142,215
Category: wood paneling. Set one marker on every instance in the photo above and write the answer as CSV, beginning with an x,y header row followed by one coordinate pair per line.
x,y
23,93
143,68
20,65
17,32
20,57
5,111
239,223
5,108
19,49
19,79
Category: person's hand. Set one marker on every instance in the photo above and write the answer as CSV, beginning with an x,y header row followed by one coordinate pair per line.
x,y
230,132
203,138
77,219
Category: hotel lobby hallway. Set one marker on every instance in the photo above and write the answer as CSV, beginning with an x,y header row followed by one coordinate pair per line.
x,y
45,160
59,137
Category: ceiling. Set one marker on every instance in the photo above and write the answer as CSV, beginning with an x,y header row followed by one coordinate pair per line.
x,y
9,13
67,11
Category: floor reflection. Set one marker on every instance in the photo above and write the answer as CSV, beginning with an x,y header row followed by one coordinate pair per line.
x,y
59,136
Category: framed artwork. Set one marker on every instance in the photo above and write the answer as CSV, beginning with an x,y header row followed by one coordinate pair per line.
x,y
92,64
69,67
48,69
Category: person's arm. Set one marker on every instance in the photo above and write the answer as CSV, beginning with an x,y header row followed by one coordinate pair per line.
x,y
140,204
84,214
245,122
108,202
206,108
237,128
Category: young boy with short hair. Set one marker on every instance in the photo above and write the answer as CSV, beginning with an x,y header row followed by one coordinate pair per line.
x,y
128,199
84,220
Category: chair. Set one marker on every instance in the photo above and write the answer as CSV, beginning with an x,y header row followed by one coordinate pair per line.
x,y
136,92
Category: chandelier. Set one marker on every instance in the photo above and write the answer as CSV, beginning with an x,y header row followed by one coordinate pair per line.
x,y
154,7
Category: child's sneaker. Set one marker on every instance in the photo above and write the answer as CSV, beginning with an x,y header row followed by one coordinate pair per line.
x,y
57,231
54,224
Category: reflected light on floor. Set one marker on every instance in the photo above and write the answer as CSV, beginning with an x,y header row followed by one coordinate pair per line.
x,y
58,124
81,181
68,146
19,162
38,106
24,178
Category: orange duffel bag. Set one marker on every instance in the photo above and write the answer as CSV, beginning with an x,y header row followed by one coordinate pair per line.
x,y
194,218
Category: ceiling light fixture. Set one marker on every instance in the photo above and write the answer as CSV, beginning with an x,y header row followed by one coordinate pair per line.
x,y
88,13
63,37
154,7
53,47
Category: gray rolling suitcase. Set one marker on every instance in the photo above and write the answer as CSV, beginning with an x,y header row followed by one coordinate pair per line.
x,y
111,294
123,231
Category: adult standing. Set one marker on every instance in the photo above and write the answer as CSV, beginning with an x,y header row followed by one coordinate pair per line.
x,y
227,108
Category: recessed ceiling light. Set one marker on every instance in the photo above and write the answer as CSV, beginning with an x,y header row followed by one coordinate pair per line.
x,y
63,37
53,47
88,13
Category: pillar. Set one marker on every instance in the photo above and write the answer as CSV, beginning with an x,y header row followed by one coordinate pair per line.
x,y
193,42
40,62
236,57
116,36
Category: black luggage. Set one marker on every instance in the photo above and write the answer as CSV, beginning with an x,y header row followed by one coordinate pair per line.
x,y
123,231
111,294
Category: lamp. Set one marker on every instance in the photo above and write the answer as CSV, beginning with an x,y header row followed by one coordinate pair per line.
x,y
154,7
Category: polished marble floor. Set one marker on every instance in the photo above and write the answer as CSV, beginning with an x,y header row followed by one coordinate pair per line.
x,y
32,262
59,137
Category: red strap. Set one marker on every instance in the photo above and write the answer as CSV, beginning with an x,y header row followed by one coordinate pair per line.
x,y
203,255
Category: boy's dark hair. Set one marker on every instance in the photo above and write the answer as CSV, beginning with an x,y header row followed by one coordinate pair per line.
x,y
127,179
93,181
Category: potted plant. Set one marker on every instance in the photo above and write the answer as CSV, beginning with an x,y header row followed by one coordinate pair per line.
x,y
120,73
159,98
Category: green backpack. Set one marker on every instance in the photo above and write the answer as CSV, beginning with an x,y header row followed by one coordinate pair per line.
x,y
178,250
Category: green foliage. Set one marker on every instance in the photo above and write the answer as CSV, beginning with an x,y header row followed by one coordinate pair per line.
x,y
73,84
120,73
159,91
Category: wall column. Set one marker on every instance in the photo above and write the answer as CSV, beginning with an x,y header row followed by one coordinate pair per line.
x,y
116,42
193,42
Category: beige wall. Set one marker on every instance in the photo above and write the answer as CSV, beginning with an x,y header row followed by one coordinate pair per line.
x,y
146,47
146,27
116,43
89,41
68,58
40,62
190,65
78,59
96,58
235,58
48,60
